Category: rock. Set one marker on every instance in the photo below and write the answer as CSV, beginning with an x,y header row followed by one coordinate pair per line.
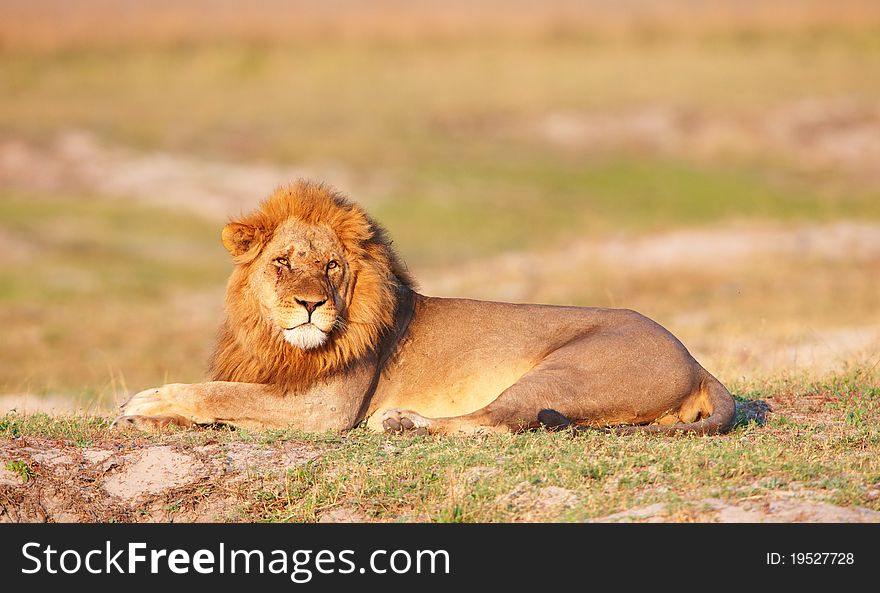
x,y
533,500
9,478
646,513
342,515
153,470
295,454
476,474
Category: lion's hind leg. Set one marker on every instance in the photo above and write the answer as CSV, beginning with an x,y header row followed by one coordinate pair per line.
x,y
640,382
547,385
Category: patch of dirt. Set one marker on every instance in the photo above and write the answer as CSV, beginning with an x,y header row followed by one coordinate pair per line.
x,y
460,485
343,515
9,478
76,162
153,470
770,509
812,134
653,513
474,475
125,481
534,502
15,250
520,274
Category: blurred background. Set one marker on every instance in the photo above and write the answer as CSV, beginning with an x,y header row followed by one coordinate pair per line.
x,y
712,164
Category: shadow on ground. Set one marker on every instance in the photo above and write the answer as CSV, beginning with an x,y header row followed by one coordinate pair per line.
x,y
750,411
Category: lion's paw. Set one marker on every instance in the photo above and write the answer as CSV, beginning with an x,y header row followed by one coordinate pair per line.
x,y
150,422
397,421
156,408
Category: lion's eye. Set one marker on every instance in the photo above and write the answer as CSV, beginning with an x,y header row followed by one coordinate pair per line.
x,y
332,265
282,261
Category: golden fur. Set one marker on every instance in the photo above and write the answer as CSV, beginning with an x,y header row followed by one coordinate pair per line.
x,y
324,330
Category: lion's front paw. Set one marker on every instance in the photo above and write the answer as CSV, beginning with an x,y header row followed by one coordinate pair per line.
x,y
150,422
159,407
397,421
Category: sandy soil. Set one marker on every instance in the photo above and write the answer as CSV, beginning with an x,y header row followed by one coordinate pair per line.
x,y
76,162
812,135
125,481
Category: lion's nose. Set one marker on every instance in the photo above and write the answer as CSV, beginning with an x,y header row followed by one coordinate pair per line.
x,y
310,306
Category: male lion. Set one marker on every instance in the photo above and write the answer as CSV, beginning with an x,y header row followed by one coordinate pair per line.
x,y
324,330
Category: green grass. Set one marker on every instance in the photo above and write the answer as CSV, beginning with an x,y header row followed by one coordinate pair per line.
x,y
76,248
525,201
810,445
81,430
86,290
371,105
21,468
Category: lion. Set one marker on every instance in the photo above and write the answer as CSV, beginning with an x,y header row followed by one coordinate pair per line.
x,y
325,330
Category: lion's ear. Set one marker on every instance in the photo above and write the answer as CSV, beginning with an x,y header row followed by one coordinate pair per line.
x,y
241,241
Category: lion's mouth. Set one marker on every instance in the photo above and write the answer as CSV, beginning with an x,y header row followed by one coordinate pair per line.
x,y
308,325
305,336
303,324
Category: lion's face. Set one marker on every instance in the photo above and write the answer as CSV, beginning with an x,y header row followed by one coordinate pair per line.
x,y
301,279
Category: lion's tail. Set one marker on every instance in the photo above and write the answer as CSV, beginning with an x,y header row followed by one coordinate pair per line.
x,y
721,419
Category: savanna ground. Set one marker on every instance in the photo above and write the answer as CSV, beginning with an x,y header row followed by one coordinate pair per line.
x,y
717,170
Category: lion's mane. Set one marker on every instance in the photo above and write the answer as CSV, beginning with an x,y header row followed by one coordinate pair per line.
x,y
249,348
